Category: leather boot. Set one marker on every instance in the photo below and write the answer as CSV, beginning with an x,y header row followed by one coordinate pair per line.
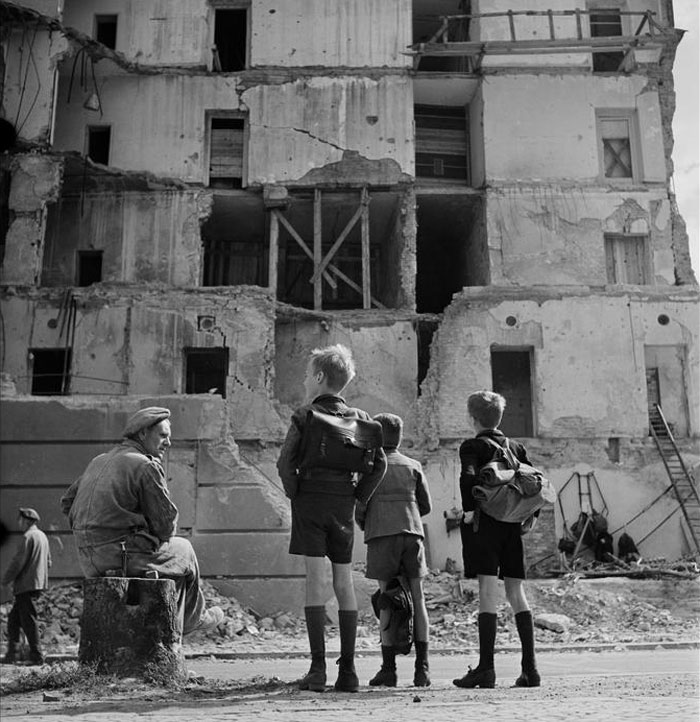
x,y
386,676
421,675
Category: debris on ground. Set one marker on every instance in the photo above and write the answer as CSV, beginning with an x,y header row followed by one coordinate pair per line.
x,y
587,608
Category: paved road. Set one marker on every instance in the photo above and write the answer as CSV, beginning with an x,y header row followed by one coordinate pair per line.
x,y
611,685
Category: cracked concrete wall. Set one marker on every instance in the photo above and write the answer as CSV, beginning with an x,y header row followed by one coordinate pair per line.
x,y
145,237
35,183
554,234
556,140
27,94
588,378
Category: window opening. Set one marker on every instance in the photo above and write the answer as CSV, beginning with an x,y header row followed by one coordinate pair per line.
x,y
230,39
425,330
226,152
606,23
626,258
89,267
50,371
99,137
620,154
441,143
106,30
206,370
666,385
512,378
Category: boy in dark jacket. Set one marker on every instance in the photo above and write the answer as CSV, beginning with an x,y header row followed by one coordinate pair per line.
x,y
323,505
394,536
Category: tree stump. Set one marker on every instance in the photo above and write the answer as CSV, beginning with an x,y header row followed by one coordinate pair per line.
x,y
131,627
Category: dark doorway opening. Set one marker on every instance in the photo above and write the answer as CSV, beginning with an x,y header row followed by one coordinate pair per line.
x,y
106,30
99,137
227,142
230,39
50,371
89,267
604,24
512,378
206,370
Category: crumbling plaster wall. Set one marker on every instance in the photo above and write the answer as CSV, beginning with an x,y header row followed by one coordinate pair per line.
x,y
582,369
550,234
145,237
35,182
556,139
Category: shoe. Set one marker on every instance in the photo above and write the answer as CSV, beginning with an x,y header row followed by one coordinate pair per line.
x,y
36,658
384,678
347,678
210,619
528,679
421,676
315,679
484,678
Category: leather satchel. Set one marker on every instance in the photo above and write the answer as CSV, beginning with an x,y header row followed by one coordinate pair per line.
x,y
510,490
342,443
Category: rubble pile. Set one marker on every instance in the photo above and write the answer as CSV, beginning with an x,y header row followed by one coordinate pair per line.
x,y
572,609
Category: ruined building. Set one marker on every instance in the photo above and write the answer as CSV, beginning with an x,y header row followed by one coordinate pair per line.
x,y
470,195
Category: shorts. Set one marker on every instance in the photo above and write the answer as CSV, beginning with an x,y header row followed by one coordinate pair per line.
x,y
496,549
389,556
323,525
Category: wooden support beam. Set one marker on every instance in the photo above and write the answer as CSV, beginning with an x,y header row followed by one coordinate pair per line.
x,y
334,248
366,276
302,244
273,255
318,250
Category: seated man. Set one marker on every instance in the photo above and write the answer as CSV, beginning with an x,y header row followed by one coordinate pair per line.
x,y
122,501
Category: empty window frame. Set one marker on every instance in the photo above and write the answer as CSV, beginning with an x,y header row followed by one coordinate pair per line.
x,y
98,143
50,371
226,151
230,36
106,30
511,371
618,144
88,267
606,22
441,143
627,258
206,370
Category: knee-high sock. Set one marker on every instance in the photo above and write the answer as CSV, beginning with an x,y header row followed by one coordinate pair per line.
x,y
526,632
487,639
316,631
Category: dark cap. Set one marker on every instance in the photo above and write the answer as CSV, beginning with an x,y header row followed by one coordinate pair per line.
x,y
29,513
144,418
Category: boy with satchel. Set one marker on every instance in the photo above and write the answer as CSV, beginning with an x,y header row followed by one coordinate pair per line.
x,y
493,549
323,489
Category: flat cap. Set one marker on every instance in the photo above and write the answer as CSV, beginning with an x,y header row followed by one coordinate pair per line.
x,y
144,418
29,513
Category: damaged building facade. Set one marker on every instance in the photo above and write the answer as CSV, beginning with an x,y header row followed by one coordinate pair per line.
x,y
194,193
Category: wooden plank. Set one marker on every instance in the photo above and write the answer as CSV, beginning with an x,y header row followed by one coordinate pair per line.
x,y
318,250
339,241
302,244
273,255
366,298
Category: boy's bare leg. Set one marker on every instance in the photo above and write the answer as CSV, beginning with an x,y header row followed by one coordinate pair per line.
x,y
315,614
316,581
344,587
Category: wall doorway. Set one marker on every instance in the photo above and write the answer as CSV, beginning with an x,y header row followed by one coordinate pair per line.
x,y
511,371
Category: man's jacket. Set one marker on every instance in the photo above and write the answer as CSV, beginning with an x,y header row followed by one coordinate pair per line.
x,y
29,569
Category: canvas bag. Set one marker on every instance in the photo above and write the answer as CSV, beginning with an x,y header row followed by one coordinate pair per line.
x,y
510,490
342,443
397,599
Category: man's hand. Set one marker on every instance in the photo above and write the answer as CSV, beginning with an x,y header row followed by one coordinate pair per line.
x,y
468,517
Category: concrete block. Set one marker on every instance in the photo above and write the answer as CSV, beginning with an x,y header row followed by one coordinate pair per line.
x,y
237,508
180,475
266,595
54,464
45,501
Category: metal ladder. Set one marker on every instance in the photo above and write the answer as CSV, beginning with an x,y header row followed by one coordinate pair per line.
x,y
681,480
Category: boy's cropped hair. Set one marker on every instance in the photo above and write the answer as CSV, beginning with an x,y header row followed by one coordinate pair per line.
x,y
486,407
392,429
337,365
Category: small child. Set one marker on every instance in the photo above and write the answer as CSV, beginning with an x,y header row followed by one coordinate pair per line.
x,y
394,536
323,505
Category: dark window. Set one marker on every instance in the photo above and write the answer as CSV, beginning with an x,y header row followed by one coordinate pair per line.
x,y
106,30
230,40
50,370
89,267
206,370
441,143
226,152
233,263
98,143
512,379
606,23
626,258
